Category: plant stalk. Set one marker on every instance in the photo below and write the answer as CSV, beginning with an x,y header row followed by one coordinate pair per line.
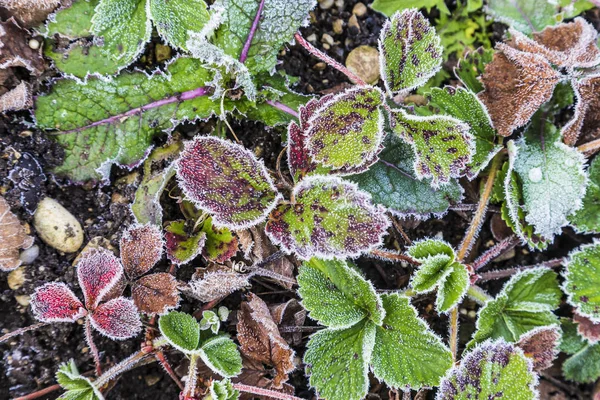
x,y
590,148
94,350
190,384
495,252
264,392
20,331
505,273
478,294
253,29
392,256
283,107
121,367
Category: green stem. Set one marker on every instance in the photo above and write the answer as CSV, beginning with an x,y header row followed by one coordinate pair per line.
x,y
478,294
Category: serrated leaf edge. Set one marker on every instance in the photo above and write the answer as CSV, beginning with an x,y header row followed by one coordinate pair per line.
x,y
564,287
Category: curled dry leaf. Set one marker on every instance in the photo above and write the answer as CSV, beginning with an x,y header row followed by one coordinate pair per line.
x,y
16,99
586,328
31,12
15,50
541,345
516,85
218,284
12,238
255,374
141,248
586,121
260,339
290,313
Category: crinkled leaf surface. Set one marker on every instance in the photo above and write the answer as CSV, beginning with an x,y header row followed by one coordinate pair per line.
x,y
336,295
183,247
584,124
55,302
525,302
492,370
77,387
582,278
527,16
221,355
407,353
583,365
72,22
587,218
389,7
392,182
442,144
227,181
541,345
98,271
117,319
410,51
328,218
175,18
181,330
277,25
338,361
102,122
222,390
346,131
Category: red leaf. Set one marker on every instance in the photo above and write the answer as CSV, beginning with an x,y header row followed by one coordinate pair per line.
x,y
155,293
141,248
117,319
98,271
55,302
541,345
586,328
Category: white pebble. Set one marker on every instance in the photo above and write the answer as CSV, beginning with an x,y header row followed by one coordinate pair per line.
x,y
57,226
34,44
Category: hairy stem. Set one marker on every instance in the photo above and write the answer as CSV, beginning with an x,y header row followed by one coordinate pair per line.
x,y
39,393
453,340
283,107
590,148
505,273
392,256
20,331
122,367
94,350
495,252
328,60
478,294
190,384
264,392
253,29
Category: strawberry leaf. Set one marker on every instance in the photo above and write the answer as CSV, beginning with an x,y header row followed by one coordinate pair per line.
x,y
584,363
527,16
227,181
174,19
327,218
182,247
98,271
220,245
155,293
221,355
472,66
582,277
181,330
117,319
141,248
541,345
55,302
77,387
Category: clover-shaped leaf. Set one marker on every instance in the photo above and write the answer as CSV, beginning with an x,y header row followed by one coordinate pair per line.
x,y
582,278
227,181
328,217
77,387
442,145
410,50
440,269
495,368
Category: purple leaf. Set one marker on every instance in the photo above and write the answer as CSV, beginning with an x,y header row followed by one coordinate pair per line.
x,y
117,319
98,271
55,302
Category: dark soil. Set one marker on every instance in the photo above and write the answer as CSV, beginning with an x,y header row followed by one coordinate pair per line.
x,y
29,362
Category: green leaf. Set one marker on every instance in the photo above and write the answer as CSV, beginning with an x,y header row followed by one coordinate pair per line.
x,y
392,183
464,105
582,279
587,218
389,7
174,19
221,355
72,22
278,23
584,364
102,122
424,249
442,145
226,180
526,302
552,177
220,245
124,26
406,352
336,295
472,66
410,51
346,132
146,206
182,246
527,16
327,218
181,330
492,370
337,361
222,390
77,387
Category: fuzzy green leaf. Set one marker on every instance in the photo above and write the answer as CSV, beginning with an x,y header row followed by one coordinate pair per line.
x,y
464,105
424,249
582,279
220,245
328,218
221,355
71,22
346,132
80,60
472,66
174,19
77,387
392,183
584,364
406,352
222,390
410,51
525,302
442,145
146,206
227,181
181,330
182,246
389,7
336,295
338,361
552,177
278,23
587,218
527,16
492,370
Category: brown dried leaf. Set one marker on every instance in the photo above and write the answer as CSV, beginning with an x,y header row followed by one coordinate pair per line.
x,y
15,50
586,120
255,374
155,293
141,248
262,249
31,12
260,339
516,85
569,45
218,284
541,345
16,99
12,238
586,328
290,313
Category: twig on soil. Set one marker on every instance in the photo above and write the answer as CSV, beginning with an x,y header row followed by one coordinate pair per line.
x,y
20,331
264,392
505,273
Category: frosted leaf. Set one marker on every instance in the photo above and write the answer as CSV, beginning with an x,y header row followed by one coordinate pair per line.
x,y
30,12
221,355
175,19
392,182
13,238
222,390
492,370
15,50
407,354
442,145
146,206
55,302
155,293
586,328
472,66
182,247
227,181
583,365
344,355
217,285
410,50
77,387
389,7
141,248
16,99
221,245
98,270
552,177
516,85
73,21
525,303
328,218
346,131
336,295
181,330
527,16
541,345
117,319
278,22
582,278
584,124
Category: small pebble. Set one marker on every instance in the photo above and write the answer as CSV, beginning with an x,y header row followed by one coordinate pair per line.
x,y
23,300
340,4
353,25
16,278
29,255
463,311
95,243
326,4
162,52
34,44
364,62
320,66
359,9
326,46
25,134
57,227
152,380
472,314
326,38
338,26
312,37
506,256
